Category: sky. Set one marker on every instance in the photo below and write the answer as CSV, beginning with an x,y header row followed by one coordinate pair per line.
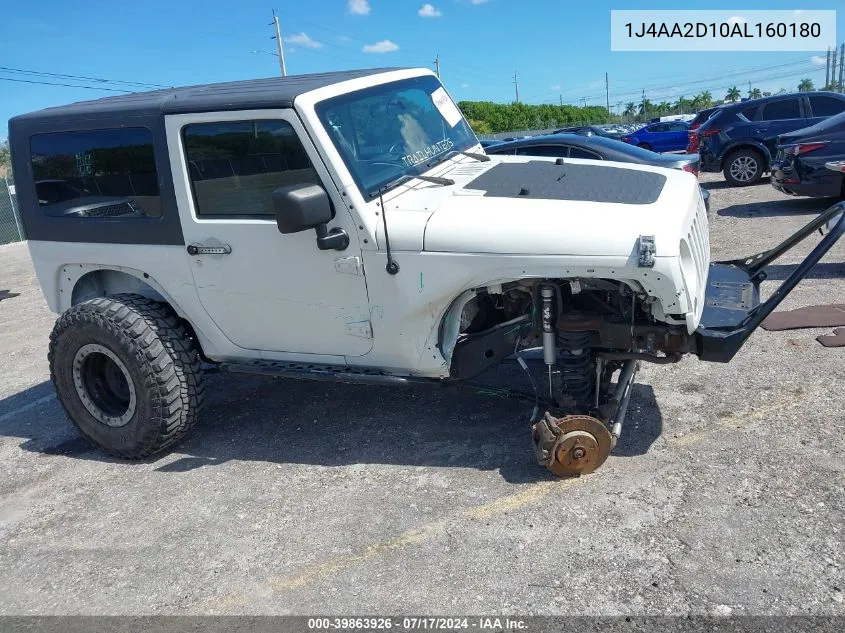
x,y
558,49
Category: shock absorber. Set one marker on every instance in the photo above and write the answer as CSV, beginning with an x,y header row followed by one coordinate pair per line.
x,y
549,318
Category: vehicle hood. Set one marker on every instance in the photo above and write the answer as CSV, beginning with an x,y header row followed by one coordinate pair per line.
x,y
537,206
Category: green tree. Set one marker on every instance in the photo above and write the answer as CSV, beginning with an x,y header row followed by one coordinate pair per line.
x,y
766,93
630,109
805,85
646,106
5,157
782,91
755,93
704,99
733,95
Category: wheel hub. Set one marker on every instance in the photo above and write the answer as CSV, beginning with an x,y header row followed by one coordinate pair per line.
x,y
572,445
104,385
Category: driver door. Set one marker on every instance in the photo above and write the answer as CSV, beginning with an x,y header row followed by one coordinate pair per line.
x,y
270,291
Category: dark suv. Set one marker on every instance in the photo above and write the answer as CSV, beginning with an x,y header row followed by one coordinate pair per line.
x,y
740,139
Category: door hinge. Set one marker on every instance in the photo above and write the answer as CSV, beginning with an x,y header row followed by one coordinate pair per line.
x,y
647,251
361,329
349,265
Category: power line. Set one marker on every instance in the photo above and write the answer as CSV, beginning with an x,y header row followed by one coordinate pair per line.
x,y
49,83
39,73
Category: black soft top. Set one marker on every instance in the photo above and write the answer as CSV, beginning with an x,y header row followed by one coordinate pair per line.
x,y
277,92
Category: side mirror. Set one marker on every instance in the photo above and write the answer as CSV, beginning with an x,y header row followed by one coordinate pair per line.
x,y
302,207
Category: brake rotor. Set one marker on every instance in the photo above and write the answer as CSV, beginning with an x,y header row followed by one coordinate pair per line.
x,y
572,445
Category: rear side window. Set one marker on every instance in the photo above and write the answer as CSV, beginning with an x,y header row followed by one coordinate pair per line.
x,y
660,127
826,106
749,113
782,109
96,173
235,166
577,152
553,151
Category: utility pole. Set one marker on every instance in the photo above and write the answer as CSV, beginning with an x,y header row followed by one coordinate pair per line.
x,y
827,69
644,112
607,93
437,65
841,67
516,85
833,67
278,38
561,100
749,88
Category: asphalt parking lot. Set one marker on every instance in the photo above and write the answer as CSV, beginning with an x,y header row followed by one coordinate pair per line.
x,y
726,494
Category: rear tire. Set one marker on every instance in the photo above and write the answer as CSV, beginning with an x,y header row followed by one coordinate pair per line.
x,y
644,146
744,167
127,374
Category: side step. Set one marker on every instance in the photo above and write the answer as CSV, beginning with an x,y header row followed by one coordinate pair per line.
x,y
330,373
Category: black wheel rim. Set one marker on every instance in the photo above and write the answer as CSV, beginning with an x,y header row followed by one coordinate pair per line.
x,y
104,385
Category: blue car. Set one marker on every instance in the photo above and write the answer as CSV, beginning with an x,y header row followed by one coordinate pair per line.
x,y
669,136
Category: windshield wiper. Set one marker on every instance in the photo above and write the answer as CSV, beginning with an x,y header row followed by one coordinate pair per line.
x,y
482,158
437,180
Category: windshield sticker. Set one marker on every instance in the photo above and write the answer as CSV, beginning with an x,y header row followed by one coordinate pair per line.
x,y
430,151
447,108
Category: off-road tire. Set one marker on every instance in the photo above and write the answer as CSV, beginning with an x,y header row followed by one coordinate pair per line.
x,y
744,155
160,357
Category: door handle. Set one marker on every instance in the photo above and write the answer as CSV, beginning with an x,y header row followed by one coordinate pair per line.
x,y
199,249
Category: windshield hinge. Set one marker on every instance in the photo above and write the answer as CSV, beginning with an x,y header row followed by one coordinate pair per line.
x,y
647,251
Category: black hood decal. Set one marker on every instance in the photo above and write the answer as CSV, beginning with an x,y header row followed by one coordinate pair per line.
x,y
570,181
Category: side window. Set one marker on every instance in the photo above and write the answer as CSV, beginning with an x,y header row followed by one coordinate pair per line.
x,y
577,152
826,106
749,113
781,109
235,166
553,151
677,127
96,173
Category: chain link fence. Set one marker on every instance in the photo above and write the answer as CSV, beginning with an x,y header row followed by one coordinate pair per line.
x,y
11,229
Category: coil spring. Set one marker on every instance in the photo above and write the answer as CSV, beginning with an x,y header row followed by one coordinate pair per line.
x,y
575,378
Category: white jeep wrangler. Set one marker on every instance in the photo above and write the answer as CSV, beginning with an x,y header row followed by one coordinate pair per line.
x,y
349,226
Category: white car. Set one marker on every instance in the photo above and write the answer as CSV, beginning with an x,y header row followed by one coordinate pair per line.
x,y
349,226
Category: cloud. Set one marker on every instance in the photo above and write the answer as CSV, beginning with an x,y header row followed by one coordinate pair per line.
x,y
428,11
464,85
818,60
359,7
736,19
303,40
385,46
555,88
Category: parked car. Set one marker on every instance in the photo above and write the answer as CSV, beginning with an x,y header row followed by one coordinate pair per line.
x,y
489,142
587,130
799,167
697,122
598,148
740,139
671,136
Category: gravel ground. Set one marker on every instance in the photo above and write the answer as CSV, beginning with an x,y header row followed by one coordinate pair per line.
x,y
724,496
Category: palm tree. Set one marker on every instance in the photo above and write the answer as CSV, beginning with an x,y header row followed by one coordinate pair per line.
x,y
766,93
705,99
754,93
806,85
646,106
630,109
733,95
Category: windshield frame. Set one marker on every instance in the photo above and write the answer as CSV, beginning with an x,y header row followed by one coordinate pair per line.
x,y
401,175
